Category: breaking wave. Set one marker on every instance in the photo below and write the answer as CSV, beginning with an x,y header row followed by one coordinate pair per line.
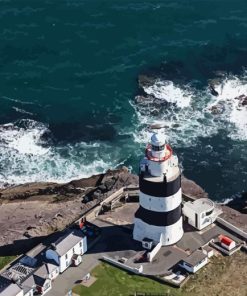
x,y
27,154
190,113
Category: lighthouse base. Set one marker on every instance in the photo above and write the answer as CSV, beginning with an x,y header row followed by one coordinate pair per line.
x,y
167,235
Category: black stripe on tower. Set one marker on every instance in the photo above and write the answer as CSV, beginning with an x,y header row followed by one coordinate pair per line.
x,y
159,218
159,189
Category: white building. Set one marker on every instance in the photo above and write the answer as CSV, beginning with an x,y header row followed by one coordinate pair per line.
x,y
195,261
159,216
227,243
11,290
63,250
201,212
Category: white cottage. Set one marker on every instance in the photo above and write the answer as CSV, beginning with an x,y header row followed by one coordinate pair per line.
x,y
62,252
194,261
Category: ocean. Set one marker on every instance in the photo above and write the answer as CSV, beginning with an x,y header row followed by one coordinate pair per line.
x,y
69,76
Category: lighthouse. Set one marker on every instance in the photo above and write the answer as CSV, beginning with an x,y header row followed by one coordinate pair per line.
x,y
159,216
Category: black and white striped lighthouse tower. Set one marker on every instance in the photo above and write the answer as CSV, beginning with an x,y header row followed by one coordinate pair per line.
x,y
159,216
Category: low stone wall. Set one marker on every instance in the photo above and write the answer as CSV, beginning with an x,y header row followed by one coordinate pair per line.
x,y
122,265
153,253
224,251
240,233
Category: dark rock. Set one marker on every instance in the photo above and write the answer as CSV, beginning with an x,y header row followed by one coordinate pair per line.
x,y
217,109
239,203
109,183
242,100
213,91
146,81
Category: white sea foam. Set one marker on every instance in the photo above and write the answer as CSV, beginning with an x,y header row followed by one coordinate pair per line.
x,y
26,157
229,89
182,123
188,117
22,111
166,90
24,137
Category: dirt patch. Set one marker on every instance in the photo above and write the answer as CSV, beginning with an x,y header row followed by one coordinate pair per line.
x,y
223,276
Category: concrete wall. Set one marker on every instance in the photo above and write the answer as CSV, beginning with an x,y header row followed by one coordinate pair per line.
x,y
29,293
154,252
54,274
20,293
123,266
232,228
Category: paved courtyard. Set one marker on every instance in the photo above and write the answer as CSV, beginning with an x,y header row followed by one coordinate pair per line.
x,y
116,242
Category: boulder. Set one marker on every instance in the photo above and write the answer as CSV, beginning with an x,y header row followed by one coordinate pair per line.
x,y
242,100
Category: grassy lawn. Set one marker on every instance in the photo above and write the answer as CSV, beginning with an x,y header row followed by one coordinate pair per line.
x,y
113,281
223,276
5,260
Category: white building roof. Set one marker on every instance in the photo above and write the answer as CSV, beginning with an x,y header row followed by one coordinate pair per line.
x,y
200,205
11,290
68,241
194,258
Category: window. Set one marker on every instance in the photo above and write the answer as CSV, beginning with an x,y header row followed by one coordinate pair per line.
x,y
66,256
158,148
47,286
73,250
209,213
80,244
67,263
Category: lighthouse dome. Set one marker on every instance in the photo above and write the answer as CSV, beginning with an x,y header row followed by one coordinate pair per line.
x,y
158,139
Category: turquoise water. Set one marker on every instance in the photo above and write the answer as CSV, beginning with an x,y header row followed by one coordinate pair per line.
x,y
68,77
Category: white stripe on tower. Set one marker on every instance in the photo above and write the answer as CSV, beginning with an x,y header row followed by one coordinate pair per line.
x,y
160,204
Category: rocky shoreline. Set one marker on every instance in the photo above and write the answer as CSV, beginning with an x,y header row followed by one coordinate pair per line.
x,y
36,210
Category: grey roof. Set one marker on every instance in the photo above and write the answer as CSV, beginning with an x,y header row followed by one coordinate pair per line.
x,y
11,290
42,271
18,272
28,284
201,205
50,267
194,258
68,241
207,248
36,251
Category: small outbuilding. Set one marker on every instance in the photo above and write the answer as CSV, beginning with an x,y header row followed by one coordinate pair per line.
x,y
200,213
227,243
208,251
194,261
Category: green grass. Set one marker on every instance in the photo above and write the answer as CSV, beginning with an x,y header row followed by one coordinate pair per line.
x,y
6,260
114,281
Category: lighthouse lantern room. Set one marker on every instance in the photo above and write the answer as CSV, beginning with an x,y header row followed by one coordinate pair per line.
x,y
159,216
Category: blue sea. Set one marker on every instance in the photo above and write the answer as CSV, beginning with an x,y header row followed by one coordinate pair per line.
x,y
69,74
